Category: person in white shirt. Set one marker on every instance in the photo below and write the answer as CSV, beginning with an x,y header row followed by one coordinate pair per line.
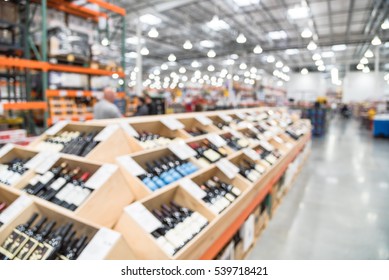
x,y
105,108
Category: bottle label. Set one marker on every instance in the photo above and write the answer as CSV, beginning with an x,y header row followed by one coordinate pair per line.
x,y
143,217
58,183
70,195
46,177
165,245
212,155
81,196
65,191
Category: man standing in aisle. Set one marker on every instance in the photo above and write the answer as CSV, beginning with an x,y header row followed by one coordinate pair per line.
x,y
105,108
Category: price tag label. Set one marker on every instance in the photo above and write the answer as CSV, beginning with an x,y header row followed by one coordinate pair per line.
x,y
101,176
204,120
241,116
172,123
227,168
100,245
56,128
143,217
216,140
17,207
278,140
36,160
6,148
182,150
192,188
253,129
49,161
131,165
129,129
251,154
106,132
225,118
63,93
235,133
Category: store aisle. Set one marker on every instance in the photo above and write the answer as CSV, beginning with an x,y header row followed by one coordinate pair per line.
x,y
338,206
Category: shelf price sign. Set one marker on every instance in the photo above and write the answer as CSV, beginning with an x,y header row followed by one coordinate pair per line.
x,y
227,168
172,123
182,150
143,217
204,120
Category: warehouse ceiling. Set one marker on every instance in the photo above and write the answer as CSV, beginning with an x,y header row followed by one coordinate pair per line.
x,y
269,31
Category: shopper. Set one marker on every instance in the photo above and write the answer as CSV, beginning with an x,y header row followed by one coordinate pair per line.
x,y
105,108
142,109
153,110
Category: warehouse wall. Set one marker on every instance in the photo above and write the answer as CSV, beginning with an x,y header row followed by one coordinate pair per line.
x,y
358,86
306,87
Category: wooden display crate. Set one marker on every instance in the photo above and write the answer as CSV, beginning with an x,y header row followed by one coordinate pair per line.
x,y
111,187
103,243
9,152
239,182
191,123
138,188
245,142
144,244
156,127
116,141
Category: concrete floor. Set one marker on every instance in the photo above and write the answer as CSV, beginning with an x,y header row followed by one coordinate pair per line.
x,y
338,208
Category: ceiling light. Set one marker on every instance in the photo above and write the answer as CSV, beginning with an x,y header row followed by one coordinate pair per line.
x,y
280,83
360,66
257,49
211,53
223,73
366,69
338,48
292,51
286,69
369,54
236,78
217,24
327,54
229,76
243,66
316,56
182,70
385,24
150,19
164,66
234,56
364,60
304,71
157,72
279,64
247,74
319,62
134,40
334,75
184,78
172,57
277,35
241,39
321,68
270,59
144,51
253,70
211,68
376,41
244,3
307,33
195,64
229,61
207,44
105,42
298,12
206,77
187,45
312,46
153,33
115,76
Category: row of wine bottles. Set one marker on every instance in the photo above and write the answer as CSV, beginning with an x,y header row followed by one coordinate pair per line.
x,y
195,131
62,185
11,172
179,226
41,241
70,142
235,143
150,140
166,170
250,170
207,152
219,194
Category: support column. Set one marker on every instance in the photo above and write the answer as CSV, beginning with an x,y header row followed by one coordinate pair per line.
x,y
139,83
231,93
44,54
123,53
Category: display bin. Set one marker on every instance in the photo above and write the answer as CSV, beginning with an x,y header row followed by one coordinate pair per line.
x,y
155,126
191,123
144,244
220,118
103,242
15,205
243,141
113,141
107,180
126,164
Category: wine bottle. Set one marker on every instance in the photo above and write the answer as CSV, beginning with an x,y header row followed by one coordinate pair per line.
x,y
190,226
90,144
200,219
61,182
64,193
35,241
169,232
74,250
46,179
54,244
225,196
6,249
219,150
228,187
23,249
80,193
178,225
166,246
